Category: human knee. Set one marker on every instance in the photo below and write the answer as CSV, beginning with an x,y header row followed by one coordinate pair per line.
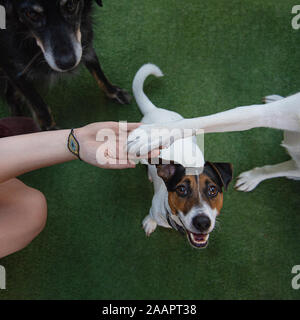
x,y
35,208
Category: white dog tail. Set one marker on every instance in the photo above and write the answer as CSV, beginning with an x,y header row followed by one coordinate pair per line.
x,y
142,100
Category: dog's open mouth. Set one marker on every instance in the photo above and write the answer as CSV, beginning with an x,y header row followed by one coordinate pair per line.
x,y
198,240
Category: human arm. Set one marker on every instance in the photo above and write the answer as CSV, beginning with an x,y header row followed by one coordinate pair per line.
x,y
25,153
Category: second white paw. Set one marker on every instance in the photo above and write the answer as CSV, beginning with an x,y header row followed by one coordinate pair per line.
x,y
247,181
149,225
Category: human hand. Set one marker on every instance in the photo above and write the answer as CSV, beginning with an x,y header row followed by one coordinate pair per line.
x,y
103,144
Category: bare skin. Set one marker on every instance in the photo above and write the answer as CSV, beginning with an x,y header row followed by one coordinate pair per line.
x,y
23,210
23,215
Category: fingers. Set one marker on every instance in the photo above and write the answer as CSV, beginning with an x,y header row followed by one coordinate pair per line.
x,y
135,135
152,154
105,159
132,126
110,148
140,148
129,165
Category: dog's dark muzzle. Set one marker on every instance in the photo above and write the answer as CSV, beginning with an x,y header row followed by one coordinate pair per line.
x,y
66,61
63,49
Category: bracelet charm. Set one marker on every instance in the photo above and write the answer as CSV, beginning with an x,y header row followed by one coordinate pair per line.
x,y
73,144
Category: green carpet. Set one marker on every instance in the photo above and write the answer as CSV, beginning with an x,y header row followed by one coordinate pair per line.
x,y
216,55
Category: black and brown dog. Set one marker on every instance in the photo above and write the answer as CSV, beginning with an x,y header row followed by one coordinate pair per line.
x,y
43,39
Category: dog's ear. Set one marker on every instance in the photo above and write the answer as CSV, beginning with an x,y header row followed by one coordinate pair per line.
x,y
166,171
223,172
171,174
99,2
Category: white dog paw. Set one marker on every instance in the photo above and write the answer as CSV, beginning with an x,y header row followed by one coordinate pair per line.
x,y
149,225
272,98
150,137
247,181
139,141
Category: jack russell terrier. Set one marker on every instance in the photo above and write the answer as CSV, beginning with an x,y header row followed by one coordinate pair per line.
x,y
188,203
278,113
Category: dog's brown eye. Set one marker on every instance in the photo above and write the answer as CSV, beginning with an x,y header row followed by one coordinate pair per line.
x,y
212,191
181,191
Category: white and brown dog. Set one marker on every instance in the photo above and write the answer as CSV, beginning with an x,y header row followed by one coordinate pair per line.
x,y
188,203
278,113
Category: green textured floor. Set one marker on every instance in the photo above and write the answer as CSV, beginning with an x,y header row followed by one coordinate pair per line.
x,y
215,54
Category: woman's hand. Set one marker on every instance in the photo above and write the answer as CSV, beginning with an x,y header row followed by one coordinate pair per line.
x,y
103,144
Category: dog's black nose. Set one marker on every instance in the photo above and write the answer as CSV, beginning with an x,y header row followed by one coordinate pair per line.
x,y
201,223
66,61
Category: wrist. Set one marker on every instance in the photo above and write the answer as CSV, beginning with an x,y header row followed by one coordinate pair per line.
x,y
73,144
62,152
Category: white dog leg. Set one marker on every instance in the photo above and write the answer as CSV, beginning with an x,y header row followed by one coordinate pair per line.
x,y
248,180
149,224
281,114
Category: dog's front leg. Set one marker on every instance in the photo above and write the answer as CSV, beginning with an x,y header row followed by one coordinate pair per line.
x,y
150,137
149,224
278,115
113,92
39,108
281,114
247,181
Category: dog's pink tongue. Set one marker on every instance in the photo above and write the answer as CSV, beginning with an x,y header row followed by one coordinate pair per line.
x,y
198,237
